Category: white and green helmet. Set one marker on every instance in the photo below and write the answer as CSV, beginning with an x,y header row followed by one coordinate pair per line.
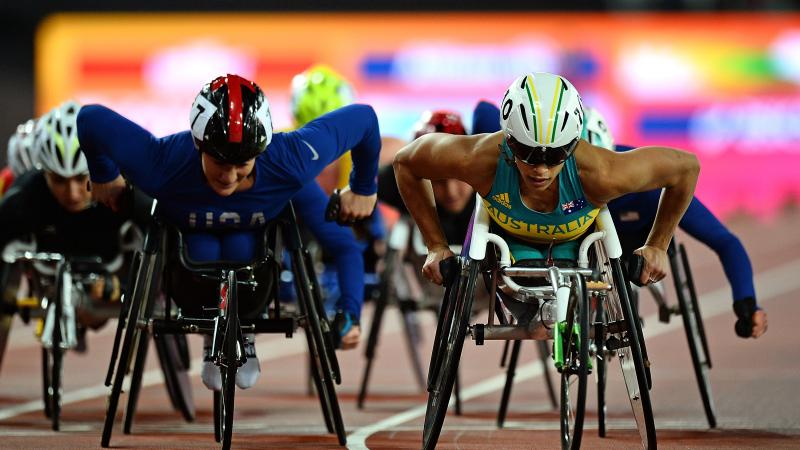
x,y
21,157
596,131
56,142
540,109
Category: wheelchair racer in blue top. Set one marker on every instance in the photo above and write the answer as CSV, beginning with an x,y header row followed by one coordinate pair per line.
x,y
220,182
540,182
634,214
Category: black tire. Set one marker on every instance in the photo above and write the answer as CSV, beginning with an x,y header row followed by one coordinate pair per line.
x,y
510,372
56,372
631,357
600,369
136,381
46,381
57,356
325,326
695,335
453,321
545,359
320,347
575,371
375,326
317,386
138,305
217,405
172,360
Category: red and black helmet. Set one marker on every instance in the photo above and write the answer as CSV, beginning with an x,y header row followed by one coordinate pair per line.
x,y
230,119
440,121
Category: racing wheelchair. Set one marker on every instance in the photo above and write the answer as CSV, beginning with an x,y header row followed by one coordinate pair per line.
x,y
224,324
563,312
54,290
687,307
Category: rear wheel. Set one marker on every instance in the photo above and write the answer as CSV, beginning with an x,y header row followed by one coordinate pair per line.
x,y
600,367
56,371
324,368
695,333
453,323
176,373
630,355
138,310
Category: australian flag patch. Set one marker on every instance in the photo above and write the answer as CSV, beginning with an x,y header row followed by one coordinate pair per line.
x,y
573,205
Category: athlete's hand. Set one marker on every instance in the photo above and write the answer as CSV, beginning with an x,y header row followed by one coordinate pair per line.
x,y
759,323
351,339
655,264
109,194
355,206
431,268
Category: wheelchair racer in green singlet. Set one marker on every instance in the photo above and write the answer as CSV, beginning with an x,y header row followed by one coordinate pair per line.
x,y
540,182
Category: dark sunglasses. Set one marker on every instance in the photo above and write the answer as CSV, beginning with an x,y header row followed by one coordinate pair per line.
x,y
550,156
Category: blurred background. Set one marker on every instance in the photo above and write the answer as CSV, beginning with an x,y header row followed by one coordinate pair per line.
x,y
721,79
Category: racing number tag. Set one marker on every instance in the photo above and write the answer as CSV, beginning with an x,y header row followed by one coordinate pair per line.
x,y
201,113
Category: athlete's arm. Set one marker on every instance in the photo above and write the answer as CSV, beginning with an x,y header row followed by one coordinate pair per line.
x,y
112,143
310,203
606,175
640,170
325,139
437,156
701,224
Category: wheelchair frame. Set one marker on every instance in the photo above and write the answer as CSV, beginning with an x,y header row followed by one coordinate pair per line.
x,y
57,313
567,298
138,320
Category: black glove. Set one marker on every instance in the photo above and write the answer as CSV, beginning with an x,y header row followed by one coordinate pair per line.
x,y
744,310
342,323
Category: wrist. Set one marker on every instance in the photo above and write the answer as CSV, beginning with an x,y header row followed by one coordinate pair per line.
x,y
438,247
745,308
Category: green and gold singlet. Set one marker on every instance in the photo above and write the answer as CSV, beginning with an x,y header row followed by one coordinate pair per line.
x,y
530,233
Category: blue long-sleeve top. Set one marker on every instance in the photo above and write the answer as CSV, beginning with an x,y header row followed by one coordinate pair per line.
x,y
634,214
169,169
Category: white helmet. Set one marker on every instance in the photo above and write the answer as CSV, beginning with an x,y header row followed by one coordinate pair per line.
x,y
542,110
595,131
21,157
56,141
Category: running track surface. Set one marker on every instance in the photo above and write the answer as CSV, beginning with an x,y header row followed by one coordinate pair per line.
x,y
756,383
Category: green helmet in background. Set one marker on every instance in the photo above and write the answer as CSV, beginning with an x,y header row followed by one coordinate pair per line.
x,y
595,129
317,91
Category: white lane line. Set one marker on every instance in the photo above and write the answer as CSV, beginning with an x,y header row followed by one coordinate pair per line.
x,y
770,285
273,349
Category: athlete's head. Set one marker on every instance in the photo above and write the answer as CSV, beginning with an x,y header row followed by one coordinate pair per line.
x,y
541,116
59,153
595,130
452,195
440,121
231,125
317,91
21,157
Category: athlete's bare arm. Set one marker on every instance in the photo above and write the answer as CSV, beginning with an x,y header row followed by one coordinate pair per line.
x,y
606,175
438,156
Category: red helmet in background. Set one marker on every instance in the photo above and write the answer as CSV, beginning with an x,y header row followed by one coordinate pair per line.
x,y
441,121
